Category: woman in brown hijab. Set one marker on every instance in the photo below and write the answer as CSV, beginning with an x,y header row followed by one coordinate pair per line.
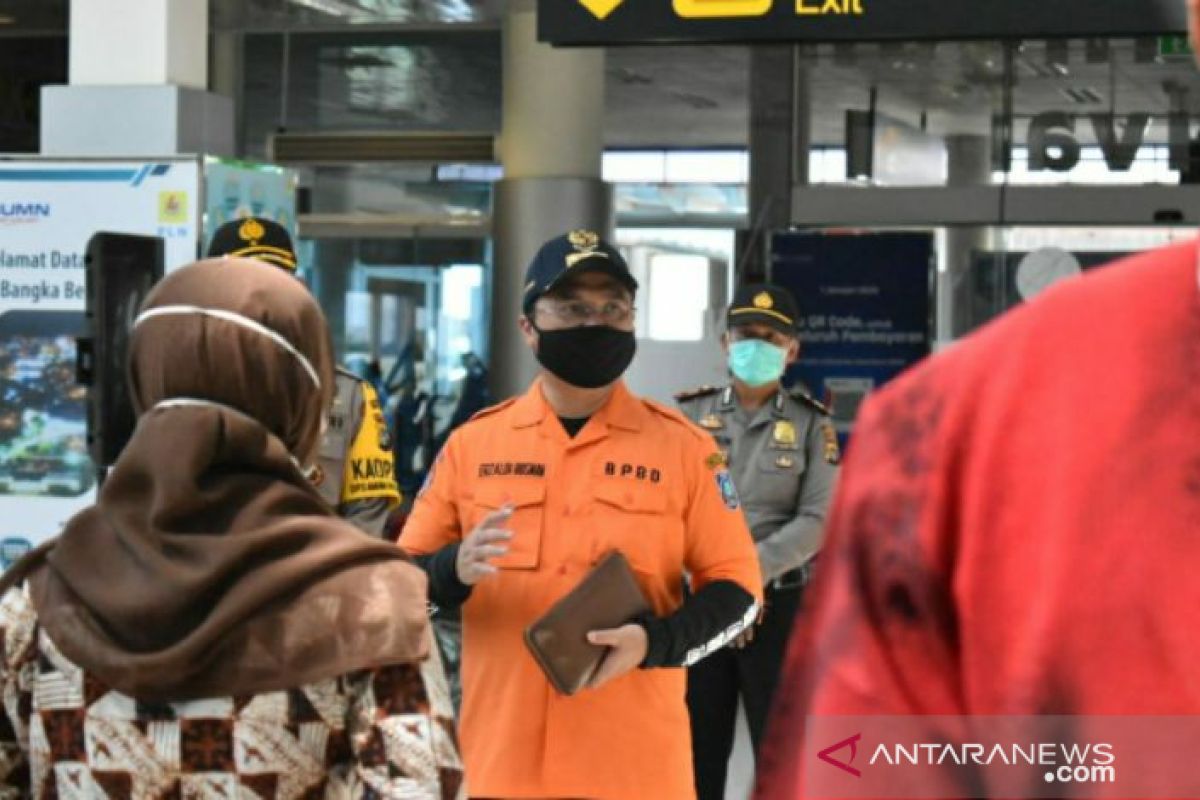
x,y
209,628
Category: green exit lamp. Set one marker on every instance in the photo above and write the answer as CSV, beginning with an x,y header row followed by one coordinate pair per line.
x,y
1173,47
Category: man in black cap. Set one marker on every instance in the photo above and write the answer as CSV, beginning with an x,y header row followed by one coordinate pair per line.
x,y
783,455
529,495
355,472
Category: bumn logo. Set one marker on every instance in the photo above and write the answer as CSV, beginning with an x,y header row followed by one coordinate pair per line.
x,y
16,213
826,755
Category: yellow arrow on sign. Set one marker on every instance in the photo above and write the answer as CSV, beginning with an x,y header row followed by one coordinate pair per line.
x,y
601,8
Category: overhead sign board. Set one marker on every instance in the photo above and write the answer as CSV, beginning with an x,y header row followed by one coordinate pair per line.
x,y
604,22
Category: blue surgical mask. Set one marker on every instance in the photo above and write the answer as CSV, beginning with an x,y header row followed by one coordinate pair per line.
x,y
755,362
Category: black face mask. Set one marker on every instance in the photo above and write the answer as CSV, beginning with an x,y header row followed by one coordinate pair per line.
x,y
587,357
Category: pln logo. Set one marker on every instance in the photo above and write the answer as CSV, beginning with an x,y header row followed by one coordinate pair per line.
x,y
847,751
172,208
23,213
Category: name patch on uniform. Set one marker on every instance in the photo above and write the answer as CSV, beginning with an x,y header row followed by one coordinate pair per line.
x,y
523,469
636,472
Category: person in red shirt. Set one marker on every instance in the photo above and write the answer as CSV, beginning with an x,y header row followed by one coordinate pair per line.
x,y
1015,530
1016,526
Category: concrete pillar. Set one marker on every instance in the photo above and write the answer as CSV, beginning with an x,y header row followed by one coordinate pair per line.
x,y
131,42
780,139
226,67
970,164
138,76
551,143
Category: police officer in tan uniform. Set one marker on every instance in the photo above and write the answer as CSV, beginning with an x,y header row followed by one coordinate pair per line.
x,y
355,470
783,455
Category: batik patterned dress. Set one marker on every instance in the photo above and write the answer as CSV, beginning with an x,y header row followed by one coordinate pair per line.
x,y
382,733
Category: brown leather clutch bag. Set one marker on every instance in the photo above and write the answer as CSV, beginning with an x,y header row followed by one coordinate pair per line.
x,y
607,597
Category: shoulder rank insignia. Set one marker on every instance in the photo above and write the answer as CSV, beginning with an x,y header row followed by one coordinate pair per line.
x,y
805,398
783,437
692,394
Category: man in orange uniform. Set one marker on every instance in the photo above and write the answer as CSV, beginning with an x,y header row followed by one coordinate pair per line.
x,y
531,493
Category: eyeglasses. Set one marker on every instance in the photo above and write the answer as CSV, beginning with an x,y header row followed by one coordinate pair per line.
x,y
578,312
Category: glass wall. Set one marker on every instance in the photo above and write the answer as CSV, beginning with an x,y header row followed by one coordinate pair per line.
x,y
1079,110
369,81
410,315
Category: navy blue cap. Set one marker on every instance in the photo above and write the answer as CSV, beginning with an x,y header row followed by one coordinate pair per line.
x,y
766,304
255,237
563,256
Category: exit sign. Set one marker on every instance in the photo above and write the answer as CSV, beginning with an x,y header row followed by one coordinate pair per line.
x,y
610,22
1174,47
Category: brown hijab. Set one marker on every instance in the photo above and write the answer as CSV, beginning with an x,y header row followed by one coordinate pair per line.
x,y
209,566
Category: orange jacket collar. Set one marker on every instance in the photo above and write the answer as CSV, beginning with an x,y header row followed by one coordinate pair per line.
x,y
622,410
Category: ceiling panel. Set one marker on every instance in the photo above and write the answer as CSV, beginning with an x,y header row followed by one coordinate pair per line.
x,y
380,72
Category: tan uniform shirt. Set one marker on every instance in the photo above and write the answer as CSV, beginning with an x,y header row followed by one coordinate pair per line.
x,y
784,461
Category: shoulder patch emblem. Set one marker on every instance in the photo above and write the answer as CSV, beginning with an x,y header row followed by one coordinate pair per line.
x,y
833,453
728,491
